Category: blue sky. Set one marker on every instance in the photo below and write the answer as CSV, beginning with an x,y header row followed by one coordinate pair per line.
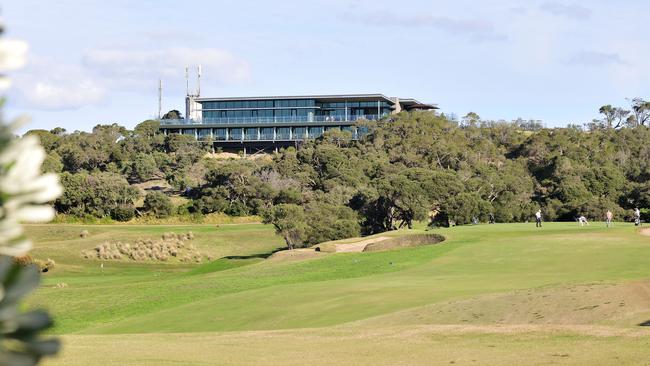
x,y
94,62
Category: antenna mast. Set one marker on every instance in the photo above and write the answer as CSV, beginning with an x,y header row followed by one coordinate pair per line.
x,y
198,81
187,81
159,98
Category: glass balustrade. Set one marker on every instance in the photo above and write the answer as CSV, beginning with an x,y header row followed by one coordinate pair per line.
x,y
270,120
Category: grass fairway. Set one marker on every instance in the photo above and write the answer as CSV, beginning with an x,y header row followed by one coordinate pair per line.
x,y
490,294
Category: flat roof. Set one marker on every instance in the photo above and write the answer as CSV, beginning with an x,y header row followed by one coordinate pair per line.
x,y
408,102
331,97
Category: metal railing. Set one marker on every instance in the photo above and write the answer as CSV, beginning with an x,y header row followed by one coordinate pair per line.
x,y
270,120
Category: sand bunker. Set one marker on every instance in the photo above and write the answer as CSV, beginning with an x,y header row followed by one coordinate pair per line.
x,y
359,246
295,255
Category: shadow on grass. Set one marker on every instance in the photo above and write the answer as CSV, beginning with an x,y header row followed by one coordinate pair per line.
x,y
229,262
645,324
253,256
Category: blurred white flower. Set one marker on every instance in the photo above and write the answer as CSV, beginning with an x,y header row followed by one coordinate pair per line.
x,y
5,83
24,192
13,54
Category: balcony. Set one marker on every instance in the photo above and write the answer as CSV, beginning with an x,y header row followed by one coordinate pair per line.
x,y
271,120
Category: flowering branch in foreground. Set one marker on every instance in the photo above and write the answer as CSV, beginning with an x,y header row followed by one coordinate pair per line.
x,y
24,192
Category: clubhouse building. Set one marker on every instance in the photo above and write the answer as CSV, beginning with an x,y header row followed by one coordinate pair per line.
x,y
272,122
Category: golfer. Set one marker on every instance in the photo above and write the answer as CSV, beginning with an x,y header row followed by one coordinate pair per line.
x,y
538,218
583,220
609,216
637,217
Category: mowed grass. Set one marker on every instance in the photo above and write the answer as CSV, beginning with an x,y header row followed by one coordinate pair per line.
x,y
363,308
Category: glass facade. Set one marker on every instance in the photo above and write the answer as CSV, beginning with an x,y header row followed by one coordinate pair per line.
x,y
250,134
299,133
290,110
315,132
236,134
283,133
266,133
281,119
220,134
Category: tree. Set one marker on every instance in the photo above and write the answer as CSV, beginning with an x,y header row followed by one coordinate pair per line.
x,y
98,194
289,222
614,117
173,114
52,163
147,129
471,119
142,168
158,204
641,110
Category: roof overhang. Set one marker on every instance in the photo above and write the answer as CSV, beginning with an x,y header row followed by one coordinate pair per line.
x,y
409,104
328,98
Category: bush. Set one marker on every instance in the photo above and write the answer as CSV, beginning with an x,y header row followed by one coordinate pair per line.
x,y
123,213
158,204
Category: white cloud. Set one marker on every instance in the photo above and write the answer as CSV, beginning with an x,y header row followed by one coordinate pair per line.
x,y
593,58
46,95
477,30
572,10
54,86
132,67
49,85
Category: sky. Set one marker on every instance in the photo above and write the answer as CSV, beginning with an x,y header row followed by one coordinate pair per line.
x,y
96,62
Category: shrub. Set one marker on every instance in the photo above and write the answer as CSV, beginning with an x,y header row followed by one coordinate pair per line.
x,y
158,204
123,213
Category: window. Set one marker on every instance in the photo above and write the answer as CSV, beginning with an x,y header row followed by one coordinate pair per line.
x,y
220,134
250,134
315,132
266,133
299,133
236,134
283,133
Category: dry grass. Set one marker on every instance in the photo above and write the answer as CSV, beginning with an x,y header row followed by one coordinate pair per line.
x,y
171,245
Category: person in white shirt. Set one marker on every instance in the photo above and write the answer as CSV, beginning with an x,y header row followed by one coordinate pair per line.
x,y
609,216
583,220
538,218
